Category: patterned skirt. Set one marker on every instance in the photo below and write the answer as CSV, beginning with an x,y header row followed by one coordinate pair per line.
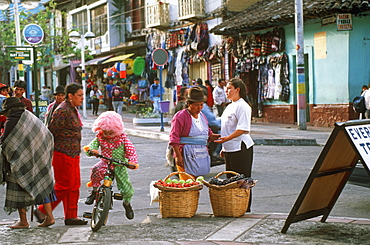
x,y
17,197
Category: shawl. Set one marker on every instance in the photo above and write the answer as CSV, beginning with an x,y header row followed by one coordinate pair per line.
x,y
28,149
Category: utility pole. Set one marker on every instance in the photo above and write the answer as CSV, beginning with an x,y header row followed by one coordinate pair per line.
x,y
18,37
301,83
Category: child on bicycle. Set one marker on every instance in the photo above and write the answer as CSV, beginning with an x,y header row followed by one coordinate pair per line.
x,y
113,143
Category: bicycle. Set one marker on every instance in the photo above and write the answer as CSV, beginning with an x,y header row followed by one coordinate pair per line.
x,y
104,194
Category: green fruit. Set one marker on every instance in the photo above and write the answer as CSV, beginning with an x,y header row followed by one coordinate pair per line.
x,y
175,181
188,181
200,178
169,181
182,181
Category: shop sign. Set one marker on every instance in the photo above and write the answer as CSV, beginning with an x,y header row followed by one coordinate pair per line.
x,y
43,105
328,20
344,22
98,45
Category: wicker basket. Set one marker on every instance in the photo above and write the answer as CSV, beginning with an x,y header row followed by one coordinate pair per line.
x,y
179,202
228,200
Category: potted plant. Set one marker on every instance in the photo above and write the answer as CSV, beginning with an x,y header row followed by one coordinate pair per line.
x,y
146,117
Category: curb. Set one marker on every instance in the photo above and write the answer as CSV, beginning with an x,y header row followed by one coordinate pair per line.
x,y
286,142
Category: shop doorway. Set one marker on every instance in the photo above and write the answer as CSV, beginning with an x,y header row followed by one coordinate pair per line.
x,y
215,73
251,82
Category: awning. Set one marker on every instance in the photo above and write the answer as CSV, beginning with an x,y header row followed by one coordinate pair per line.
x,y
98,61
57,68
118,58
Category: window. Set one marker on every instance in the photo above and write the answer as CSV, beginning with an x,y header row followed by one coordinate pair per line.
x,y
99,20
79,21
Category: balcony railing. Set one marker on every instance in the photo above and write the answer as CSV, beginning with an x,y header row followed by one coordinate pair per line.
x,y
158,15
191,9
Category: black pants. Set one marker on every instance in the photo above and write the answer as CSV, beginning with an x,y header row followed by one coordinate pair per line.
x,y
220,109
240,162
109,104
95,105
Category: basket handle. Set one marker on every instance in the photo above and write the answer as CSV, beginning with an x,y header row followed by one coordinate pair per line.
x,y
174,173
226,172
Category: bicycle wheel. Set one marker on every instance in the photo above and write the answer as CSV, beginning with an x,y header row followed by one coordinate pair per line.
x,y
101,208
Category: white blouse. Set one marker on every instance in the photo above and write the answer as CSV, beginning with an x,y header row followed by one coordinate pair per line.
x,y
236,116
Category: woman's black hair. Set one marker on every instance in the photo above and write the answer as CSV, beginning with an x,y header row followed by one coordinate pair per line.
x,y
238,83
72,88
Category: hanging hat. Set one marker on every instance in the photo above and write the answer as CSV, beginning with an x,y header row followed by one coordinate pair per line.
x,y
59,90
195,94
11,102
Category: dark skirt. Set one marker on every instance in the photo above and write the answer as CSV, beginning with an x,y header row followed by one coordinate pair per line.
x,y
17,197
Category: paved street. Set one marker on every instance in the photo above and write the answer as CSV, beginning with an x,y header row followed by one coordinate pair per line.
x,y
281,172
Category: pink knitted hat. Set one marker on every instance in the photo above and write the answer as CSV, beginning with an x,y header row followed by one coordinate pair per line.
x,y
109,121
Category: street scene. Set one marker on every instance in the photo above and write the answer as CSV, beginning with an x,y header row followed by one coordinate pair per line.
x,y
274,92
281,172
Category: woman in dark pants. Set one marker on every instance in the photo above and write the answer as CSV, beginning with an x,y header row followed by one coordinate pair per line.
x,y
237,144
95,95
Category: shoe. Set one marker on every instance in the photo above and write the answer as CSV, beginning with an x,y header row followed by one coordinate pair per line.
x,y
129,211
39,215
90,199
75,222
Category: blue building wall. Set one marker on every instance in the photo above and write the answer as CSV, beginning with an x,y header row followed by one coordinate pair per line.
x,y
359,55
338,78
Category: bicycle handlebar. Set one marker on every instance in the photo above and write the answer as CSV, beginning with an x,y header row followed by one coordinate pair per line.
x,y
112,160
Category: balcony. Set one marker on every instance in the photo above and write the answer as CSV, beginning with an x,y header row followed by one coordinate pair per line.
x,y
158,15
191,9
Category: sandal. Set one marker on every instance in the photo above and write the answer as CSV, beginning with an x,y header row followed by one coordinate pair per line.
x,y
39,215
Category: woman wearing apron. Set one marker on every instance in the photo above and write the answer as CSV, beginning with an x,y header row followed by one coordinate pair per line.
x,y
190,135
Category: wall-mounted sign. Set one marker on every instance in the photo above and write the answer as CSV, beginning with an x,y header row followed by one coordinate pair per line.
x,y
328,20
344,22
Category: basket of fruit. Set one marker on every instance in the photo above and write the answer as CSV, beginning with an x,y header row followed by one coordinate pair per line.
x,y
178,198
229,197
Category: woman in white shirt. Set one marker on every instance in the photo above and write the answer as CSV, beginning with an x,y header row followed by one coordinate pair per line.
x,y
237,144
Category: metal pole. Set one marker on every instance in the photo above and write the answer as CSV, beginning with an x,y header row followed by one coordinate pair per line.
x,y
160,92
18,38
301,83
83,76
37,112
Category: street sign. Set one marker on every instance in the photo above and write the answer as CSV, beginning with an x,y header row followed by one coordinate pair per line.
x,y
348,143
33,34
20,54
160,57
